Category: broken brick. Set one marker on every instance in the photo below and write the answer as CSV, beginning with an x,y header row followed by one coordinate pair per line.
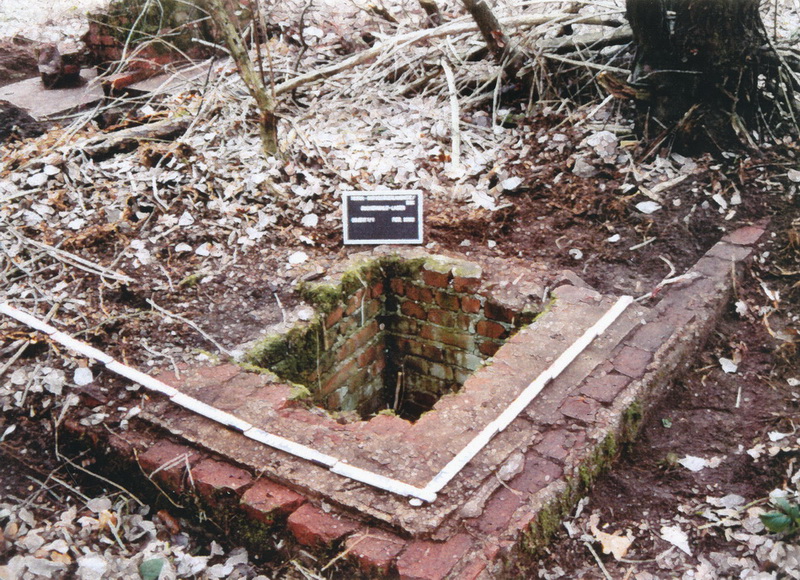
x,y
313,527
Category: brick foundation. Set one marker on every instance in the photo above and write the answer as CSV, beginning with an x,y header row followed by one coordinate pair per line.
x,y
400,334
506,502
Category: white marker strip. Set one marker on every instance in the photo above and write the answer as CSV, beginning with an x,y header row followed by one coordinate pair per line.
x,y
526,396
290,447
143,379
209,412
382,482
428,493
27,319
81,347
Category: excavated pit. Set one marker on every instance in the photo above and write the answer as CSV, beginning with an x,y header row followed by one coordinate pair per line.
x,y
394,335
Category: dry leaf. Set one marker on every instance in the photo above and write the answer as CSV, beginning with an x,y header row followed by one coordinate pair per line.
x,y
615,543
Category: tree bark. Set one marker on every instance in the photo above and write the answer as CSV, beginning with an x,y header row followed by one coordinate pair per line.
x,y
268,122
497,41
704,72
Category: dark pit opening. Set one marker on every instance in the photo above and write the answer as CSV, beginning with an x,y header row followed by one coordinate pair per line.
x,y
393,336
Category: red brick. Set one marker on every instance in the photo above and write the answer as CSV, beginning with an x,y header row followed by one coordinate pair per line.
x,y
266,501
498,511
451,319
651,336
537,474
214,479
368,356
413,309
580,408
496,311
388,425
448,301
374,550
470,305
377,289
435,279
557,443
354,303
358,340
424,560
473,570
631,361
420,294
334,316
344,373
166,463
398,286
606,388
463,284
447,336
313,527
488,347
745,236
491,329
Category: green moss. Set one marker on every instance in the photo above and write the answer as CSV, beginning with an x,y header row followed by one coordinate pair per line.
x,y
439,264
467,270
299,392
632,419
324,297
191,280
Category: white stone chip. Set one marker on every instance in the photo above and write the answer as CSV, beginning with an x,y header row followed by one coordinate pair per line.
x,y
83,376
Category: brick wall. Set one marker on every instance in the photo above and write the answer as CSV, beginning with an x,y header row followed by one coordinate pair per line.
x,y
391,330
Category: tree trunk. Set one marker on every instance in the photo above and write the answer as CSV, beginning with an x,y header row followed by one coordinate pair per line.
x,y
268,122
705,74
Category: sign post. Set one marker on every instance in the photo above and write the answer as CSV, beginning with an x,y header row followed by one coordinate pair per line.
x,y
382,217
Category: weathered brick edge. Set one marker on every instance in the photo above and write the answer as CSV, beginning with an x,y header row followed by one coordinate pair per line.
x,y
495,539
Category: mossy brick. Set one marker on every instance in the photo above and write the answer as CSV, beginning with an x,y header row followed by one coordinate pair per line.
x,y
419,293
214,480
405,325
312,527
448,300
267,501
168,464
494,311
448,336
428,560
470,304
413,309
491,329
436,271
374,551
466,277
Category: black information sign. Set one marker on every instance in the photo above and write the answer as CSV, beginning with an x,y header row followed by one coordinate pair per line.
x,y
382,217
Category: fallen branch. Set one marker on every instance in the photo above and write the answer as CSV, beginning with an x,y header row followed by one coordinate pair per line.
x,y
72,260
461,26
126,140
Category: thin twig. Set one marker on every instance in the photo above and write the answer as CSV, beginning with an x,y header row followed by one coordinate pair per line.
x,y
205,335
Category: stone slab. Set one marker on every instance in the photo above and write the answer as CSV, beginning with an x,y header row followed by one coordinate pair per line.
x,y
43,104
